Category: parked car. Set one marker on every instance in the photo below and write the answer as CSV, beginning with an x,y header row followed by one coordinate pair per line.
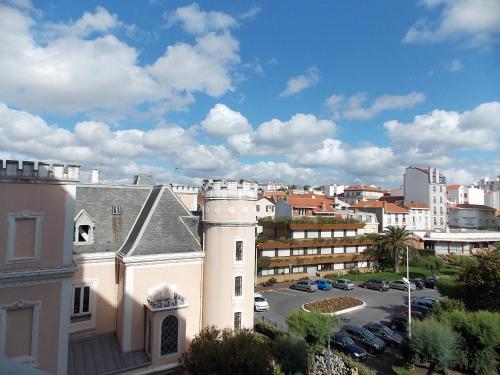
x,y
343,284
419,283
260,303
364,338
378,284
431,299
399,322
347,345
385,333
305,285
323,284
418,309
422,302
401,285
430,282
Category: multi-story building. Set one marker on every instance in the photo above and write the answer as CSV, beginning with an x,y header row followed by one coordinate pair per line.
x,y
460,194
264,207
37,208
299,249
427,185
387,213
299,205
149,274
485,183
458,241
272,186
357,193
492,199
332,190
472,216
420,216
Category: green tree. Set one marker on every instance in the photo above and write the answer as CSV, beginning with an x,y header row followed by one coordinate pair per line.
x,y
395,241
224,352
431,263
313,326
434,342
291,353
263,262
482,281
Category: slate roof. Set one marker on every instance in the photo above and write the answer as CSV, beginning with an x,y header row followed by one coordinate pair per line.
x,y
152,220
110,230
101,354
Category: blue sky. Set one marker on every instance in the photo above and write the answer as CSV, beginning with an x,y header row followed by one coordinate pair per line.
x,y
343,92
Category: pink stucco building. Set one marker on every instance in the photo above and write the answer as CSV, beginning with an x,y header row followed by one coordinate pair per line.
x,y
118,278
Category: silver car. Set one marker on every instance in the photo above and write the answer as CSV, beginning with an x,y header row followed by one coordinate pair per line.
x,y
401,285
305,285
343,284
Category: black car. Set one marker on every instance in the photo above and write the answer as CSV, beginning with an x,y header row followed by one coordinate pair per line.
x,y
377,284
419,283
347,345
399,321
364,338
385,333
421,309
430,282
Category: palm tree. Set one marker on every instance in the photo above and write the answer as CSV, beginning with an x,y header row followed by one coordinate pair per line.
x,y
395,241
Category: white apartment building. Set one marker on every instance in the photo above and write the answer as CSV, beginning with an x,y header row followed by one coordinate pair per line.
x,y
420,216
272,186
460,194
357,193
264,207
386,213
332,189
492,199
427,185
485,183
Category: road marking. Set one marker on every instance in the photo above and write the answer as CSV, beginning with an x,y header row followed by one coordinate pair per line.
x,y
288,294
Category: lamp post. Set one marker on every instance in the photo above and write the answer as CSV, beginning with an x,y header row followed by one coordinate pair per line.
x,y
407,281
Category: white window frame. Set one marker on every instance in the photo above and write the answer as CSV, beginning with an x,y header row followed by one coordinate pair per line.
x,y
11,236
30,360
89,323
238,299
91,224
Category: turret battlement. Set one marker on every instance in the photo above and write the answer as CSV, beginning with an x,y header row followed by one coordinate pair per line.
x,y
184,189
27,170
230,189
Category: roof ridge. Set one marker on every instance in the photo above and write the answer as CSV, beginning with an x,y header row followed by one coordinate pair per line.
x,y
141,219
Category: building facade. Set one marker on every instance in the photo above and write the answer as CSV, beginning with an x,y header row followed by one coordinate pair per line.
x,y
358,193
118,278
36,262
471,216
306,249
427,185
388,214
460,194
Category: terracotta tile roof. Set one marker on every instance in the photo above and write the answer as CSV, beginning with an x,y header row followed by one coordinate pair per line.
x,y
388,207
318,203
274,195
364,188
453,186
416,205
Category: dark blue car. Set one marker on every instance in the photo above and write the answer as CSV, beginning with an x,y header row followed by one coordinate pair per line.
x,y
323,284
347,345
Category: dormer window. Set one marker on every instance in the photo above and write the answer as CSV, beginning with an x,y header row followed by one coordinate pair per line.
x,y
84,229
116,210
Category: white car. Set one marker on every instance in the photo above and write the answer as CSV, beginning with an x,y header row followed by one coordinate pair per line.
x,y
260,303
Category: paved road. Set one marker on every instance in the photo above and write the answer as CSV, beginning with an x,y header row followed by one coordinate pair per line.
x,y
379,305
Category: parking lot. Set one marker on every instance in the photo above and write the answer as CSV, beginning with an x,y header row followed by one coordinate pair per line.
x,y
380,307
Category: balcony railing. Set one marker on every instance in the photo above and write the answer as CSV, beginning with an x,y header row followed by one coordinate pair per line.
x,y
162,303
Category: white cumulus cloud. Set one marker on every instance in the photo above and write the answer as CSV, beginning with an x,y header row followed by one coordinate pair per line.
x,y
222,121
301,82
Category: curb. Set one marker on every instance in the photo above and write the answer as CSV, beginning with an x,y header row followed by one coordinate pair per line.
x,y
363,305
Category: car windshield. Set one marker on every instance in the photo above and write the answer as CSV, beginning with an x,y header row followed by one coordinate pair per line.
x,y
387,330
260,299
368,335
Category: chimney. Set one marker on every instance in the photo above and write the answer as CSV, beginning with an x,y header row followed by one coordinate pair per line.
x,y
95,175
58,171
28,168
11,167
43,169
73,171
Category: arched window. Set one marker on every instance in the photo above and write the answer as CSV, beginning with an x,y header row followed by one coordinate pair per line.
x,y
169,335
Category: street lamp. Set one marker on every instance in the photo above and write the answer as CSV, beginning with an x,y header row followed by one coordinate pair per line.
x,y
407,281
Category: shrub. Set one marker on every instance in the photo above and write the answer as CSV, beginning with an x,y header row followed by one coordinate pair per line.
x,y
445,305
313,326
263,262
449,286
351,363
268,330
462,261
434,342
272,280
431,263
214,351
291,353
401,370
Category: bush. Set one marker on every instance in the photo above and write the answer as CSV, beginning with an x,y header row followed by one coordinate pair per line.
x,y
431,263
479,336
401,370
449,286
351,363
291,353
434,342
263,262
272,280
462,261
313,326
445,305
214,351
268,330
